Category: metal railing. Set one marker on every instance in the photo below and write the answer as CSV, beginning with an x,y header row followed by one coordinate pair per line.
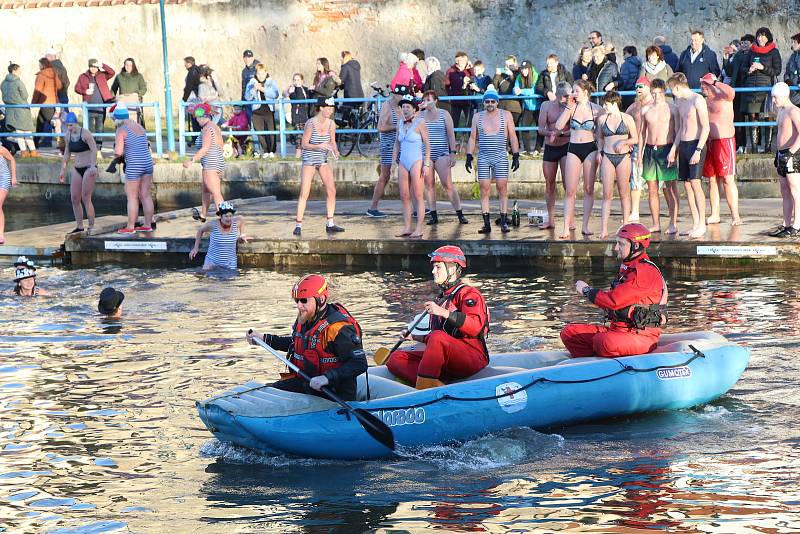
x,y
157,134
282,131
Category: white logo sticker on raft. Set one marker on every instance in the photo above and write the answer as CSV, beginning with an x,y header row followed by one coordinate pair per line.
x,y
674,372
411,416
732,250
135,245
514,397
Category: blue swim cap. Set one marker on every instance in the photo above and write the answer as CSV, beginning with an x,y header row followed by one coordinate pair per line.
x,y
120,113
71,118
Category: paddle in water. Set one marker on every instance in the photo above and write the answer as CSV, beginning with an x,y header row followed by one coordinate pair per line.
x,y
374,426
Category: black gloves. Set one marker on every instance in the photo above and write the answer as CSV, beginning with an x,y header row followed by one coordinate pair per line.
x,y
468,164
269,339
515,162
112,168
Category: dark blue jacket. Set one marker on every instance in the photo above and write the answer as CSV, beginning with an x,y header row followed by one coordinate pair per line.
x,y
670,57
248,73
706,62
629,73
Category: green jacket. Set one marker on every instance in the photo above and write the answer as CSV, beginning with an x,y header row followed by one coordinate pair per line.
x,y
14,92
126,84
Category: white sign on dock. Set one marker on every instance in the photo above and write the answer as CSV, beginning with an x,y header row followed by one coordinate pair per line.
x,y
136,245
735,250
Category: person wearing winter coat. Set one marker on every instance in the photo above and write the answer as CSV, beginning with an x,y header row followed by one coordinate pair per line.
x,y
698,60
525,85
350,75
553,74
792,73
580,69
655,68
92,85
629,73
45,91
603,73
325,80
261,88
18,119
504,80
669,56
406,74
129,87
434,81
209,90
763,64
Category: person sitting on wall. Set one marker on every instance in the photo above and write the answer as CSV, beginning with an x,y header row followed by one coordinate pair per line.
x,y
635,304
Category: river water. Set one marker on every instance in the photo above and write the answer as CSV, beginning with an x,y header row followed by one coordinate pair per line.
x,y
98,429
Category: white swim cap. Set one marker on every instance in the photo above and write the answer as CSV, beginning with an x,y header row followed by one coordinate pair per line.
x,y
780,89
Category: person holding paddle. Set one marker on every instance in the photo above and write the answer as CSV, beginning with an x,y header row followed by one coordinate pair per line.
x,y
325,343
456,346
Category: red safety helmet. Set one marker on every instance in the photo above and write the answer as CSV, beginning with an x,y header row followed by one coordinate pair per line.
x,y
635,233
311,286
449,254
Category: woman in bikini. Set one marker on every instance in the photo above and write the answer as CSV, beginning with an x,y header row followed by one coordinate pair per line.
x,y
616,135
319,140
211,159
410,149
80,142
581,116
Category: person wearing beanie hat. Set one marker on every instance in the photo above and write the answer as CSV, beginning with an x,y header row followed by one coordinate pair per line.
x,y
787,159
93,86
110,303
719,166
387,134
643,99
492,131
132,147
80,142
211,158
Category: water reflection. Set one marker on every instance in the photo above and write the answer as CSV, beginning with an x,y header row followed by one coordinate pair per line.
x,y
98,430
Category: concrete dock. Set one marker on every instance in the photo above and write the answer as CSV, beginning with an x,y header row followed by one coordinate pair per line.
x,y
371,243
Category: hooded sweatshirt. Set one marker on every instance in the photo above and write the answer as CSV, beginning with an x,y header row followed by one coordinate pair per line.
x,y
351,80
629,73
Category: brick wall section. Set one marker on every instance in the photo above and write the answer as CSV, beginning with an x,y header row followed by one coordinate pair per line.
x,y
329,12
37,4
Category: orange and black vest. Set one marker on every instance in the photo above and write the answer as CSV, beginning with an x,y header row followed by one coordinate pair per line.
x,y
310,348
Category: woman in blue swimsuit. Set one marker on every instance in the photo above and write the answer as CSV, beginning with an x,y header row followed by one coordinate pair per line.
x,y
616,135
581,116
131,144
412,152
211,158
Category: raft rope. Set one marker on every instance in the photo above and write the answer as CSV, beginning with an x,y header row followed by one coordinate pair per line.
x,y
624,369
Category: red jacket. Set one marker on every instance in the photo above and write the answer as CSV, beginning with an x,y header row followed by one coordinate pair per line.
x,y
469,316
639,282
102,77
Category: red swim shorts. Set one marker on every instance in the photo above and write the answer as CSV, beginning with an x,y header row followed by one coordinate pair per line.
x,y
720,158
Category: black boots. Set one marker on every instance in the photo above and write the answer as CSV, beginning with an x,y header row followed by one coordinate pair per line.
x,y
487,227
504,227
461,218
768,131
433,218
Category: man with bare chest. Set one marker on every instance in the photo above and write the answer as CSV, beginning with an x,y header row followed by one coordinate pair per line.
x,y
690,141
720,163
657,134
643,101
556,143
787,160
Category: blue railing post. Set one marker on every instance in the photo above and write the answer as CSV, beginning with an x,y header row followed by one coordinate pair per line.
x,y
158,129
282,126
181,129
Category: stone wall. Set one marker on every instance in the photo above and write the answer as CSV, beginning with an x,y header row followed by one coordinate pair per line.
x,y
288,35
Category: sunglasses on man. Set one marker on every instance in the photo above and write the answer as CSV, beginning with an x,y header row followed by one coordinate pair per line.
x,y
302,301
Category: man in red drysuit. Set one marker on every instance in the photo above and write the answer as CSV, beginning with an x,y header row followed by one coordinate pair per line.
x,y
635,304
456,346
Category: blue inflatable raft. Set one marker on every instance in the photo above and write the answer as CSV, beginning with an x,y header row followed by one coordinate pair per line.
x,y
534,389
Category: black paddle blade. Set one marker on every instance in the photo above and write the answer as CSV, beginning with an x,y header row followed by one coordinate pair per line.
x,y
375,428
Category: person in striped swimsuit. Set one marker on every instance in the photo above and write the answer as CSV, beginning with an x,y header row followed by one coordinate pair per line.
x,y
225,233
387,131
442,139
412,152
211,159
493,155
8,178
319,140
131,145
